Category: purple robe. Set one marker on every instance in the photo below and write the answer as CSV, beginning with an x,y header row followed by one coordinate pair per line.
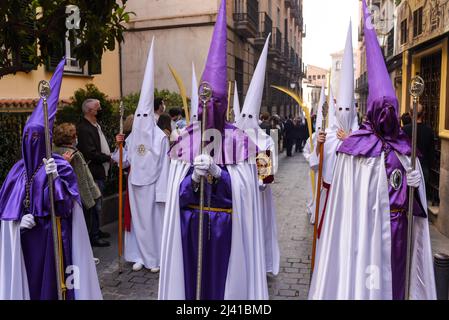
x,y
217,236
399,222
37,243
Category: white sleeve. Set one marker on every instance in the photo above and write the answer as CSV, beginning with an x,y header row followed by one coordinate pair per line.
x,y
161,183
311,156
115,156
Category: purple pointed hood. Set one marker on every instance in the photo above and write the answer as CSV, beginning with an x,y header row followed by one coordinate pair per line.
x,y
382,127
215,73
33,142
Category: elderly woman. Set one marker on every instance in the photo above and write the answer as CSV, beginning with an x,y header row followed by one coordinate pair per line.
x,y
65,140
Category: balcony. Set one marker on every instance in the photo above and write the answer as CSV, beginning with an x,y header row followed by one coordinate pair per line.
x,y
246,17
265,28
276,43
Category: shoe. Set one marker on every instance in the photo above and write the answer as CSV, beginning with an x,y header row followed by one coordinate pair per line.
x,y
96,261
154,270
104,235
100,243
137,266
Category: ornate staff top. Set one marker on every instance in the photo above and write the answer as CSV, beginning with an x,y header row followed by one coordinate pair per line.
x,y
44,89
205,92
417,87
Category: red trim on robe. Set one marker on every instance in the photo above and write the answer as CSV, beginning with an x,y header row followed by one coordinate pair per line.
x,y
320,226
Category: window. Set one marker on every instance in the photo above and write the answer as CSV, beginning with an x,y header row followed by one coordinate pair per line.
x,y
417,22
270,5
338,65
314,77
310,78
404,31
239,76
71,41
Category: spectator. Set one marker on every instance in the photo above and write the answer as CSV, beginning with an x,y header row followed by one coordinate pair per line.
x,y
266,125
164,123
95,149
406,119
65,141
289,135
159,108
425,141
175,115
182,123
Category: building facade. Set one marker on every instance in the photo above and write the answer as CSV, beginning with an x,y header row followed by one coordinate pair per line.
x,y
316,78
415,42
183,30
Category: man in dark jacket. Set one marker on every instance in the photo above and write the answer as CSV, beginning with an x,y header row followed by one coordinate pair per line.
x,y
425,142
289,135
93,145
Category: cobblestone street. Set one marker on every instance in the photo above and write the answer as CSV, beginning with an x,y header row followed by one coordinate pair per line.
x,y
295,241
292,282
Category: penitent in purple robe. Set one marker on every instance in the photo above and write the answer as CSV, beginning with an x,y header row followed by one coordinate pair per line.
x,y
37,243
216,240
398,216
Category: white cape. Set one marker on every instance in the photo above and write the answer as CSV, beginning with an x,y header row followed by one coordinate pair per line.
x,y
13,276
355,258
246,277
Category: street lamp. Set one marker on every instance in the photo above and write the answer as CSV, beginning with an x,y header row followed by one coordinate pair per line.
x,y
293,87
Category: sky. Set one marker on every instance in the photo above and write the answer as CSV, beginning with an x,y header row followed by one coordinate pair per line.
x,y
327,23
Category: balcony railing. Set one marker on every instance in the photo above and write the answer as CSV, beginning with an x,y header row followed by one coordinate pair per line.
x,y
265,28
246,17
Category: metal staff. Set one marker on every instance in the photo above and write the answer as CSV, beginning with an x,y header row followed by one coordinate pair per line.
x,y
44,92
416,90
120,193
205,94
318,189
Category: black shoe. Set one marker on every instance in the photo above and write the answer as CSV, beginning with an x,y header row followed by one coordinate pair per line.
x,y
103,235
100,243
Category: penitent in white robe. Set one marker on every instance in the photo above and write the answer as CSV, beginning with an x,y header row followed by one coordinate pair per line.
x,y
246,276
147,204
330,156
355,258
13,275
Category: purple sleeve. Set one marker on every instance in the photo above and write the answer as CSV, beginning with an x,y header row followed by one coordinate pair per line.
x,y
222,191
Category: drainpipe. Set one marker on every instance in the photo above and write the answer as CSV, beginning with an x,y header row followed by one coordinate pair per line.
x,y
441,266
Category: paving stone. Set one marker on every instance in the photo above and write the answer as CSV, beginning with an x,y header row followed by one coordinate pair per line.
x,y
138,280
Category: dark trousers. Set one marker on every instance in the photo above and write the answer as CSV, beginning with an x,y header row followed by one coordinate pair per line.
x,y
290,143
93,219
299,145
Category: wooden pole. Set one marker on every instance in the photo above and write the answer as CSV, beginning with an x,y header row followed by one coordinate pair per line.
x,y
120,194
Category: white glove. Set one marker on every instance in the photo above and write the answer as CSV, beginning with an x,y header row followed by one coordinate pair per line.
x,y
414,178
204,164
51,167
262,186
201,165
27,222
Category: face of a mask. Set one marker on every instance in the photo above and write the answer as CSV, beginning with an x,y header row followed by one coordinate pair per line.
x,y
344,117
389,123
